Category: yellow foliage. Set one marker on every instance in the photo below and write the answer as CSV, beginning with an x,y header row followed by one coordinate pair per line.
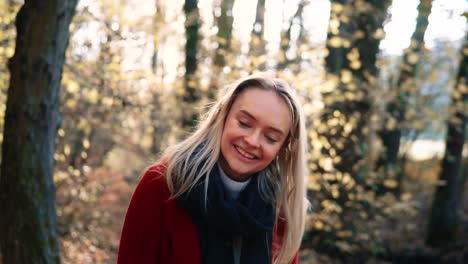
x,y
348,128
313,185
333,122
326,164
462,88
66,149
391,124
355,65
9,52
336,7
108,101
350,96
390,183
353,54
335,42
344,234
319,225
70,103
334,25
86,143
346,76
412,58
405,197
328,86
335,193
359,34
61,132
379,34
72,86
346,43
93,96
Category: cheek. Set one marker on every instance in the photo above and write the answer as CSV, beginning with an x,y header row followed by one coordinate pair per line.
x,y
231,131
272,152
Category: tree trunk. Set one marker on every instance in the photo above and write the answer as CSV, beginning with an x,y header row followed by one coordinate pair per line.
x,y
191,93
223,37
257,50
285,42
355,31
27,193
155,114
353,46
444,220
397,108
159,22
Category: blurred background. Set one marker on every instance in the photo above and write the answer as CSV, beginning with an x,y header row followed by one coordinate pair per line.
x,y
382,83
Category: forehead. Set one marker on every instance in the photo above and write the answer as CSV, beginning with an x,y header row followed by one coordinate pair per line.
x,y
266,106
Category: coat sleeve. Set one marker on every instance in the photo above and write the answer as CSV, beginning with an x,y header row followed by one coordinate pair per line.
x,y
140,241
296,259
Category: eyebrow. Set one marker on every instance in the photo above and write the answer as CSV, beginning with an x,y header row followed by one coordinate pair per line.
x,y
270,127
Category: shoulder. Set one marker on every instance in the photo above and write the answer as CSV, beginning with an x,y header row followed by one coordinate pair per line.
x,y
144,220
155,172
153,182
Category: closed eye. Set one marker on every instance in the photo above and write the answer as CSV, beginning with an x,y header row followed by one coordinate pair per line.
x,y
270,139
243,124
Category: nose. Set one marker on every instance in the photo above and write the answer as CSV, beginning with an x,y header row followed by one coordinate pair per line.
x,y
253,139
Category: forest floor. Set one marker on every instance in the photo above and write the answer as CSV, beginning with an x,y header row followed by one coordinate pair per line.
x,y
90,223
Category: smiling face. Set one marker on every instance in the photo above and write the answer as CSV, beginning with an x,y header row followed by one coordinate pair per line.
x,y
255,129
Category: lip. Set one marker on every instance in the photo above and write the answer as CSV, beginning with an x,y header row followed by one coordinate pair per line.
x,y
242,157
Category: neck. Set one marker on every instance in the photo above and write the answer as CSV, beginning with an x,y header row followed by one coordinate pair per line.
x,y
233,187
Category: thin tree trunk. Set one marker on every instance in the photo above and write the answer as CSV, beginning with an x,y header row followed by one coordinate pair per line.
x,y
27,193
444,220
155,115
353,47
257,50
397,108
159,22
355,31
191,94
285,42
223,37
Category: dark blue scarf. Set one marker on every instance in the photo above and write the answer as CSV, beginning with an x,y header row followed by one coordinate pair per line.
x,y
248,217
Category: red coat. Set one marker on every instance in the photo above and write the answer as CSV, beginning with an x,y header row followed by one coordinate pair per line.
x,y
157,230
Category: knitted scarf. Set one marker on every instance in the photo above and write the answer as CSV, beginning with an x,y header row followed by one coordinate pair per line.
x,y
222,219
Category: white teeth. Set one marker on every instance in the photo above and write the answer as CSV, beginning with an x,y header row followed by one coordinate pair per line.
x,y
245,154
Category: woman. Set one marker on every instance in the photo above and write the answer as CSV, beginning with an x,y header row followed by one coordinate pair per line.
x,y
232,192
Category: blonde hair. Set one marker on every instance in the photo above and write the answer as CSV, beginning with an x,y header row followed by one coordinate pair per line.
x,y
194,157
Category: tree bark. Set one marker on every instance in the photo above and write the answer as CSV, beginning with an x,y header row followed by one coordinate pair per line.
x,y
257,51
354,34
223,37
353,46
27,192
444,219
285,42
155,115
397,108
158,22
191,93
